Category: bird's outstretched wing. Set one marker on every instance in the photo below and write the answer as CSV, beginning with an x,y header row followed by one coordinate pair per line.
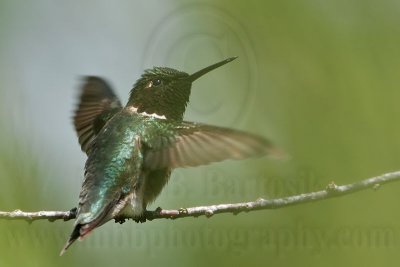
x,y
97,104
192,144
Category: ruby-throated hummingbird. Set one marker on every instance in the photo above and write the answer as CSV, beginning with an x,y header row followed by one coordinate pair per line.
x,y
131,150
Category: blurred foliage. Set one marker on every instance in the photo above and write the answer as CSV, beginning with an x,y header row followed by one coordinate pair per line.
x,y
319,77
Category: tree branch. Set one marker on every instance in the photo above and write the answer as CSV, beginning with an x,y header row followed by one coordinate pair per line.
x,y
332,190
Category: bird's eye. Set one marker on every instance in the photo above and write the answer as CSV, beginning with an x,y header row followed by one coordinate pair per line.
x,y
156,82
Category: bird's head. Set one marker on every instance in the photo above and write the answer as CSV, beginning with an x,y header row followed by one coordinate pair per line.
x,y
165,92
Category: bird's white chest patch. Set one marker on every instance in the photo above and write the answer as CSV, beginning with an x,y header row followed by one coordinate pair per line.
x,y
153,115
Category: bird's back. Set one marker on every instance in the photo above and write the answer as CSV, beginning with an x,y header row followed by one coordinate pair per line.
x,y
112,168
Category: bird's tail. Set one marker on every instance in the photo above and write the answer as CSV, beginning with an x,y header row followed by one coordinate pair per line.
x,y
74,236
83,229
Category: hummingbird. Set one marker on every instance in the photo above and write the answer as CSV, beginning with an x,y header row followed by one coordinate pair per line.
x,y
132,150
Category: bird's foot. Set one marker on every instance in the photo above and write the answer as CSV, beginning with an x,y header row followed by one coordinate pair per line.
x,y
120,219
71,214
141,219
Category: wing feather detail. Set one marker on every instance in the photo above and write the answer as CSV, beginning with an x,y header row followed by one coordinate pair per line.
x,y
195,144
97,104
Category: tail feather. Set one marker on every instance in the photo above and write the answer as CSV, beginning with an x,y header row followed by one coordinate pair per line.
x,y
82,230
74,236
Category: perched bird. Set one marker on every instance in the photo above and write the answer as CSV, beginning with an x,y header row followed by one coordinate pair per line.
x,y
131,150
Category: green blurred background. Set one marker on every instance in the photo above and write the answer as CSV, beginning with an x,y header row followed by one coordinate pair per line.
x,y
320,78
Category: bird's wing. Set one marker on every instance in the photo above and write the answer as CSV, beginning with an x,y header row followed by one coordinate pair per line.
x,y
192,144
97,104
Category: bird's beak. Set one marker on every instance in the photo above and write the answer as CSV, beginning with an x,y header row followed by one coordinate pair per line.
x,y
201,72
